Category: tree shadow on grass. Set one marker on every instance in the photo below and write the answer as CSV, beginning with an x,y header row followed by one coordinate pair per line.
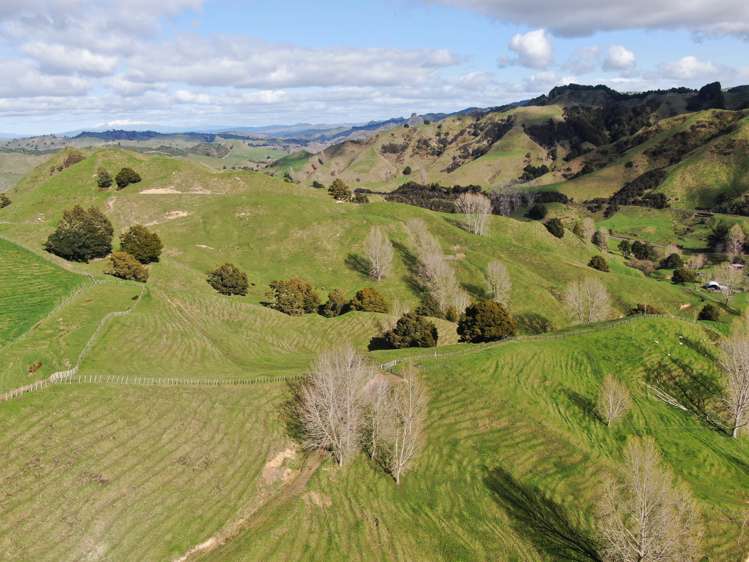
x,y
412,266
540,519
358,263
289,411
476,291
584,404
697,392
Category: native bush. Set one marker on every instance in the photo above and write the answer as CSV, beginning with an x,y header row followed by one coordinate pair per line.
x,y
125,266
81,235
337,304
103,178
125,177
683,275
369,300
709,312
485,321
144,245
294,297
597,262
412,330
228,280
555,227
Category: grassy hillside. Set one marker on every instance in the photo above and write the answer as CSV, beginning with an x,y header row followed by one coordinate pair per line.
x,y
127,472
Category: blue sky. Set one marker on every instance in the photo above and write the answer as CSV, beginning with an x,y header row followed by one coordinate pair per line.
x,y
71,64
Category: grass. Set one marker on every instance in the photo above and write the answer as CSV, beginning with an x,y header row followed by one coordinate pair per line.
x,y
131,473
515,458
30,287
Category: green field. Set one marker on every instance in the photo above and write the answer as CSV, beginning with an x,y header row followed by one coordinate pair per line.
x,y
30,287
514,456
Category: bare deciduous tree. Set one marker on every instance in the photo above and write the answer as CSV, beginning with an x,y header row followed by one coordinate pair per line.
x,y
601,239
587,301
613,400
735,363
585,229
696,262
735,241
401,433
435,272
647,518
476,207
332,402
499,282
379,252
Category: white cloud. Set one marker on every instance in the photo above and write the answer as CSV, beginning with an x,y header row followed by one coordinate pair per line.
x,y
619,58
583,17
584,60
59,59
532,49
28,82
688,68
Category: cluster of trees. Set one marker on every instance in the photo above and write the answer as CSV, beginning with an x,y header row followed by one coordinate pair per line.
x,y
435,274
125,177
476,208
344,407
587,301
83,235
379,252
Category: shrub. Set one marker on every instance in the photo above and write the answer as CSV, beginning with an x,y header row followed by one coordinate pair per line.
x,y
339,191
538,212
360,198
429,307
625,248
144,245
673,261
556,227
81,235
294,297
643,251
709,312
317,185
485,321
336,305
125,266
228,280
4,200
407,171
643,309
597,262
412,330
125,177
103,178
682,275
369,300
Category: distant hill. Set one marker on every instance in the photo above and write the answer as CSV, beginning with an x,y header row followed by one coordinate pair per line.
x,y
589,142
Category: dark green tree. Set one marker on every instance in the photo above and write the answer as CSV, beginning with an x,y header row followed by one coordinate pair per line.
x,y
103,178
294,297
555,227
81,235
4,200
684,276
412,330
125,266
625,248
673,261
407,171
144,245
538,212
644,251
597,262
125,177
339,190
228,280
369,300
485,321
709,312
337,304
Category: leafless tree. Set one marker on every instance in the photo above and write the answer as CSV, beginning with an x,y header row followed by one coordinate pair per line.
x,y
332,402
377,419
730,278
735,241
613,400
435,272
735,363
587,301
601,239
696,262
477,208
585,229
401,435
499,282
647,518
379,252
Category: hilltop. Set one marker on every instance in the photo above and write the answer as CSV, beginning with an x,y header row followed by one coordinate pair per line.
x,y
589,142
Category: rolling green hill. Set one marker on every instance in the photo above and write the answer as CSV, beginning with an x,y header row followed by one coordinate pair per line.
x,y
514,456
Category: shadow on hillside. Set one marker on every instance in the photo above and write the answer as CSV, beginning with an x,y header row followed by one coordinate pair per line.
x,y
412,266
289,411
358,263
699,347
697,392
476,291
540,519
584,404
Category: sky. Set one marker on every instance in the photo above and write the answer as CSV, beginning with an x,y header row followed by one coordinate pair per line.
x,y
191,64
